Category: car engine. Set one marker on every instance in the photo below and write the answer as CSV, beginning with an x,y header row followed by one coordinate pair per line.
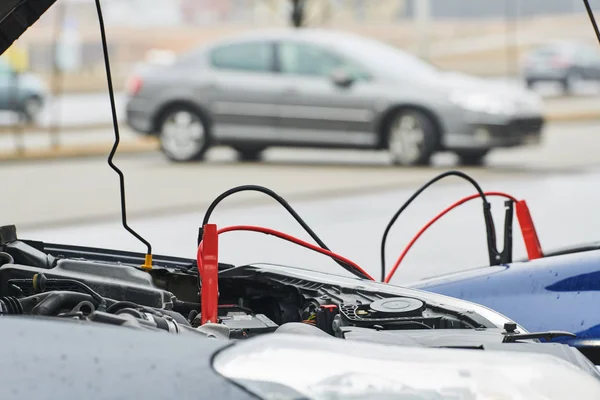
x,y
90,285
98,285
109,287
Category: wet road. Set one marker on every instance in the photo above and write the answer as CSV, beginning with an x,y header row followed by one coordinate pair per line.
x,y
564,207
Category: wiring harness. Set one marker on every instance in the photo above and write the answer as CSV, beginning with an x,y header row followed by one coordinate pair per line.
x,y
208,238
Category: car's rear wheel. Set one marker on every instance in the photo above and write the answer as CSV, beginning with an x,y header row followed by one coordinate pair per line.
x,y
472,157
412,138
249,153
184,134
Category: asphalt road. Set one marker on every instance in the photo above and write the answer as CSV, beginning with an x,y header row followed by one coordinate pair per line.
x,y
67,191
564,207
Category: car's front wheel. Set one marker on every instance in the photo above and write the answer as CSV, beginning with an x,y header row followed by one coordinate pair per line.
x,y
411,138
184,134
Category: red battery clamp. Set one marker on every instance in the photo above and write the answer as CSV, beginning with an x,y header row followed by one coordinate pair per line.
x,y
208,268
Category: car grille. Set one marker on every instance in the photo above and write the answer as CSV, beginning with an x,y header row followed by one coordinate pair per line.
x,y
526,125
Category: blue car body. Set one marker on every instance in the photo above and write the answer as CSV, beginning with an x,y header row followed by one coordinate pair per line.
x,y
560,292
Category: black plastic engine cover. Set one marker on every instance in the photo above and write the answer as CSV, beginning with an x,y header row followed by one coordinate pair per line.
x,y
114,281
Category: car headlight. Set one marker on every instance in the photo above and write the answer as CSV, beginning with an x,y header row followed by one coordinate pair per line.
x,y
279,366
482,102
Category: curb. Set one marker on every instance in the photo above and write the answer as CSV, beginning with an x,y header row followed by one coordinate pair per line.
x,y
581,116
34,129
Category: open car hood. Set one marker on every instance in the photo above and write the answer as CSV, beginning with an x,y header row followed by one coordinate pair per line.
x,y
16,16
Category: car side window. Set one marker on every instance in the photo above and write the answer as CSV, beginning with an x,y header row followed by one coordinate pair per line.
x,y
309,60
249,57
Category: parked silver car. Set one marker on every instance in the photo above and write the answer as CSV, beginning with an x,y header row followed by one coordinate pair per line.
x,y
564,62
319,88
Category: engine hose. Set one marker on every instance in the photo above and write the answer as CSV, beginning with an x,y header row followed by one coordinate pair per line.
x,y
119,305
6,258
54,302
10,306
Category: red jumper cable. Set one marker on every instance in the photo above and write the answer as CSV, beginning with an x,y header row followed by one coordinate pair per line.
x,y
207,260
528,230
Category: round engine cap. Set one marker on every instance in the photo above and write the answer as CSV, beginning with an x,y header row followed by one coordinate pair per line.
x,y
398,307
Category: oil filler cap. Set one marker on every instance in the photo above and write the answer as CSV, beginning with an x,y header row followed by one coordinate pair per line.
x,y
397,307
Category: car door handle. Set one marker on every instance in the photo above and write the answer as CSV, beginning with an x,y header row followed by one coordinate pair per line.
x,y
291,91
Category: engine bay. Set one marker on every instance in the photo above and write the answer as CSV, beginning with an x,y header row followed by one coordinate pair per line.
x,y
100,286
97,285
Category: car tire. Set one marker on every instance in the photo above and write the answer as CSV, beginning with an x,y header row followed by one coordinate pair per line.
x,y
411,138
249,154
31,109
472,157
184,134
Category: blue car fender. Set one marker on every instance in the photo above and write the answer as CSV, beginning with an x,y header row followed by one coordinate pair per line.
x,y
553,293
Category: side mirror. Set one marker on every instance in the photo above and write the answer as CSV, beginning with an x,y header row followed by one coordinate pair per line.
x,y
340,77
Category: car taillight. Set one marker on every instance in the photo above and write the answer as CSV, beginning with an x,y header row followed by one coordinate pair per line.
x,y
134,86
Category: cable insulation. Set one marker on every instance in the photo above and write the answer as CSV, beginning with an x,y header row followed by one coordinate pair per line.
x,y
489,223
590,13
286,205
289,238
115,121
434,220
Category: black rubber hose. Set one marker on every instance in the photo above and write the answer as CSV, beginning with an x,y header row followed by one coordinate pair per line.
x,y
54,302
119,305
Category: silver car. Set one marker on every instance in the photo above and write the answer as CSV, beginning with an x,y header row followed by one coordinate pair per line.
x,y
567,63
319,88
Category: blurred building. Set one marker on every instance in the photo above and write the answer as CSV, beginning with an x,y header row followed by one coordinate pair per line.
x,y
138,26
143,12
